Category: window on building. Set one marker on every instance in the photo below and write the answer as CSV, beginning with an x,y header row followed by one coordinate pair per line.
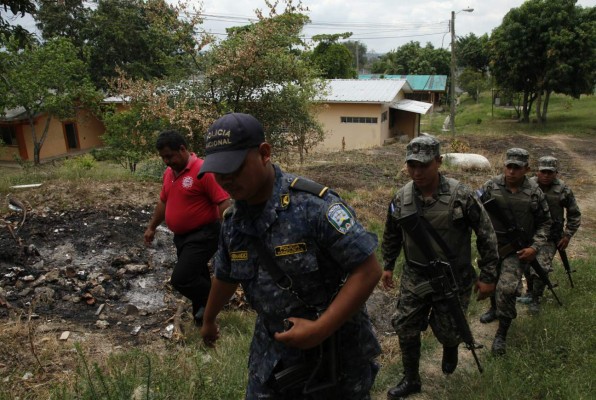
x,y
384,116
359,120
8,135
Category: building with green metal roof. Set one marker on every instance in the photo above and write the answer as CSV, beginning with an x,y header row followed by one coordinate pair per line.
x,y
429,88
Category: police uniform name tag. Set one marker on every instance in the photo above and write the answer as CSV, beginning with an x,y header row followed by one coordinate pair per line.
x,y
340,217
292,248
239,256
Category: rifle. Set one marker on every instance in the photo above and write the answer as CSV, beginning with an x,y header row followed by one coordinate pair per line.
x,y
517,241
442,284
565,261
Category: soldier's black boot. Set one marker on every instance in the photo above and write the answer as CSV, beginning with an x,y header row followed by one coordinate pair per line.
x,y
534,307
410,383
449,363
499,347
491,314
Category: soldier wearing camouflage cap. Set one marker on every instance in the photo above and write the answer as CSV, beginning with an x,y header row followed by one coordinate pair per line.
x,y
521,201
453,211
566,218
517,156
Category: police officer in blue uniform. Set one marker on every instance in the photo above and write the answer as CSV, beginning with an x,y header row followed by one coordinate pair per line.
x,y
306,265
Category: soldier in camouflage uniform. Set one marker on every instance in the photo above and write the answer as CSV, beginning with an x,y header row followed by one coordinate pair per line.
x,y
314,240
566,218
453,211
522,201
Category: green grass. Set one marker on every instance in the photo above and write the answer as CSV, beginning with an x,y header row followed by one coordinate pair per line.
x,y
82,168
184,371
552,356
565,115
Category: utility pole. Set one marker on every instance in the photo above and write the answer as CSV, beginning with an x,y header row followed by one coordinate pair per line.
x,y
453,72
357,58
452,90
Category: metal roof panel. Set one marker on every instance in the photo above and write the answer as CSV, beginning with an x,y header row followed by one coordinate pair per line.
x,y
414,106
363,91
427,83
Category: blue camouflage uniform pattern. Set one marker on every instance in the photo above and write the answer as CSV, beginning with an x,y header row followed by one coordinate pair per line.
x,y
317,242
465,214
511,269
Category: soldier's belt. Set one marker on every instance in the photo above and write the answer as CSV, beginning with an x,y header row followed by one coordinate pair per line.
x,y
507,249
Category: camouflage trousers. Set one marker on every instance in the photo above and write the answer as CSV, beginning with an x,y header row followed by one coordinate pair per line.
x,y
545,257
356,378
414,313
509,286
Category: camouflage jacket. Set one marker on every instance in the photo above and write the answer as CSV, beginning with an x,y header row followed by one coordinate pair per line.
x,y
536,205
316,241
560,197
466,213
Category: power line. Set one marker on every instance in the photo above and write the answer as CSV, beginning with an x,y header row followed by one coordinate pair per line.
x,y
373,30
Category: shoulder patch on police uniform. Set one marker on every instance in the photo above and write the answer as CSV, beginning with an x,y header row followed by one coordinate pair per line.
x,y
309,186
340,217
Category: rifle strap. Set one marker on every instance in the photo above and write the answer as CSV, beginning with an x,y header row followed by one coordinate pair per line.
x,y
281,279
439,240
434,234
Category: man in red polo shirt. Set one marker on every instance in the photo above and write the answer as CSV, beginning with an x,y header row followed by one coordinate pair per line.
x,y
192,209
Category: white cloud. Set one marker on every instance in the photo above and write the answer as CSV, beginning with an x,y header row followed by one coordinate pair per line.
x,y
369,20
383,25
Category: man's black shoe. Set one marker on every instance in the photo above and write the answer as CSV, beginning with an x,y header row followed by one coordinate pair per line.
x,y
404,388
489,316
199,316
449,363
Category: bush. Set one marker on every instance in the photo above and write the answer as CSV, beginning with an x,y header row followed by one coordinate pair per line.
x,y
77,167
459,146
101,154
152,169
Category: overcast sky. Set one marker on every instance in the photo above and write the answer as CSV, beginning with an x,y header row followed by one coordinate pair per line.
x,y
382,25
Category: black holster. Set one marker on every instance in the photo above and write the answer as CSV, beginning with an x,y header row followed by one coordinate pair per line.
x,y
319,370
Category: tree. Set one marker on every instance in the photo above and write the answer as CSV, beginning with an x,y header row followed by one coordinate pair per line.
x,y
151,106
130,137
146,39
473,52
45,79
66,18
472,82
18,33
258,70
333,58
412,59
545,46
358,51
